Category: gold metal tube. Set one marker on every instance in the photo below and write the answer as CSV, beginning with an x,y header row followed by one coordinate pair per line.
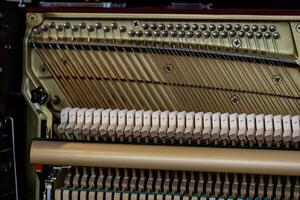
x,y
228,160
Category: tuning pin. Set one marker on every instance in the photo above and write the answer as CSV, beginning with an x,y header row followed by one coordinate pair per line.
x,y
178,26
156,33
198,34
51,25
228,27
181,34
148,33
232,33
145,26
195,27
170,26
207,34
114,25
90,28
263,28
82,25
223,34
153,26
237,27
241,34
220,27
186,27
98,26
59,28
106,28
267,35
164,33
258,35
250,35
272,28
189,34
74,28
246,28
67,25
203,27
37,30
173,33
254,28
161,26
131,33
122,29
139,33
212,27
276,35
45,27
215,34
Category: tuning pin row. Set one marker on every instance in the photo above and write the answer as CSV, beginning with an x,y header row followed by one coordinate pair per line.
x,y
207,26
208,127
78,27
166,30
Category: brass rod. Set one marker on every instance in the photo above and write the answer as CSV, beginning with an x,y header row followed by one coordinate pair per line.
x,y
228,160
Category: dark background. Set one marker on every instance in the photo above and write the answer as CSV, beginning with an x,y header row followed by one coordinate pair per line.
x,y
12,104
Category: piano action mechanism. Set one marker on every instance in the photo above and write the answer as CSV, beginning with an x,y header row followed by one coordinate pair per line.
x,y
163,106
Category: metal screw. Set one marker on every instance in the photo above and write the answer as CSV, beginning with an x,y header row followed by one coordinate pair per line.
x,y
55,100
168,68
64,61
236,42
277,79
298,28
135,24
33,18
43,69
234,99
